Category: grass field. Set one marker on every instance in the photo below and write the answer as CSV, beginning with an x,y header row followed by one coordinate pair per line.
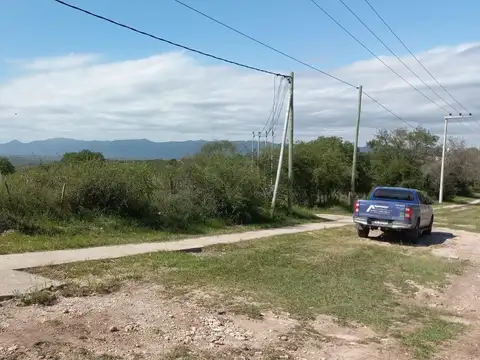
x,y
328,272
112,231
464,218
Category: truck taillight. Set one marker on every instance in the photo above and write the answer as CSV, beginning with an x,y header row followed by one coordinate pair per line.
x,y
356,208
408,212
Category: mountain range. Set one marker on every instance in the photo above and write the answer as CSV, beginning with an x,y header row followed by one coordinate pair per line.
x,y
138,149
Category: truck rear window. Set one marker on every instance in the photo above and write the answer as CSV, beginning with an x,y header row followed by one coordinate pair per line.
x,y
393,194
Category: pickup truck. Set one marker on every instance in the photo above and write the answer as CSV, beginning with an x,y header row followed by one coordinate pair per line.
x,y
394,209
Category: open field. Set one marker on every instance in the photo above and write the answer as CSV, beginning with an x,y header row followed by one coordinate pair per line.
x,y
324,294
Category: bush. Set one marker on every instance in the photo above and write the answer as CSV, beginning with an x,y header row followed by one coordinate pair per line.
x,y
172,195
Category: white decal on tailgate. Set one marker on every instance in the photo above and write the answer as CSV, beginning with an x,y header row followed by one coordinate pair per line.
x,y
374,207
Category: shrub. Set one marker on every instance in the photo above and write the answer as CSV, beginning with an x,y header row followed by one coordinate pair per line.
x,y
172,195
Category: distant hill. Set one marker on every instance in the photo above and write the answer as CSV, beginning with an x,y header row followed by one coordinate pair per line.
x,y
142,149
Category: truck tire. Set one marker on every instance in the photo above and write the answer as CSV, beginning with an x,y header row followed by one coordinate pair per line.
x,y
428,230
363,232
414,234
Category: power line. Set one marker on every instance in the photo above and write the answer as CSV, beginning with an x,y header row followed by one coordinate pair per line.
x,y
168,41
271,116
388,110
262,43
418,60
411,53
375,55
394,54
287,55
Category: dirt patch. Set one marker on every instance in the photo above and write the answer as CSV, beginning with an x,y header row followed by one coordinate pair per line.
x,y
461,297
327,326
141,323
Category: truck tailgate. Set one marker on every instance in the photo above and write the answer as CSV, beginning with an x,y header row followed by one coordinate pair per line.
x,y
381,210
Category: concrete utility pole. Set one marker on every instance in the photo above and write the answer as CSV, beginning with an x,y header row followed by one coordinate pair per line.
x,y
258,145
271,156
355,145
280,158
445,129
253,147
290,145
288,125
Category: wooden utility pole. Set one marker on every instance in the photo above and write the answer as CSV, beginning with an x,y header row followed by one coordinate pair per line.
x,y
355,145
290,145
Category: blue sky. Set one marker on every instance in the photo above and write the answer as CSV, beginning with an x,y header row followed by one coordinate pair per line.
x,y
31,28
66,74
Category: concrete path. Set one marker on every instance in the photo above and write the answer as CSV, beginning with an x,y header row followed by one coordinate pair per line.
x,y
12,282
18,282
454,206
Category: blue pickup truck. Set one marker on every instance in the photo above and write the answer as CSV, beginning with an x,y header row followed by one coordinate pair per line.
x,y
394,209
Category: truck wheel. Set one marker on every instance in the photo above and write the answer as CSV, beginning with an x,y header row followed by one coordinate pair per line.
x,y
363,231
428,231
414,234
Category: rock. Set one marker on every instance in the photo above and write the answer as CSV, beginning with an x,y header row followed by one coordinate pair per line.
x,y
113,329
221,312
66,311
284,338
130,328
83,337
292,347
12,348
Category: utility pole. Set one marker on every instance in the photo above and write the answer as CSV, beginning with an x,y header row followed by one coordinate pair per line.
x,y
355,145
253,147
280,157
258,146
271,156
445,129
290,144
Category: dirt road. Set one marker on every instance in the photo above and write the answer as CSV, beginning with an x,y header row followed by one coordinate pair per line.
x,y
140,322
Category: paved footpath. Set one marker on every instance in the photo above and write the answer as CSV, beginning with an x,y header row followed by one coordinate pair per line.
x,y
13,282
454,206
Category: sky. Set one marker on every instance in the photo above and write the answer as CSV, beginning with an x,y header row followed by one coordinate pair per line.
x,y
65,74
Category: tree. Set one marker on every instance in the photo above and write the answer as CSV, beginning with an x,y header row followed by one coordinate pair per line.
x,y
82,156
6,167
398,157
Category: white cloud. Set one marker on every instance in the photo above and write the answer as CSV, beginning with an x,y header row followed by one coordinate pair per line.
x,y
56,63
174,96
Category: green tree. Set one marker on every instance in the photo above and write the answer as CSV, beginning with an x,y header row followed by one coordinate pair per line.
x,y
82,156
399,156
6,167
